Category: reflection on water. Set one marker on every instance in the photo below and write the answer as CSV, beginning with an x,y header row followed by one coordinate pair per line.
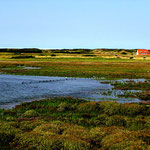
x,y
15,89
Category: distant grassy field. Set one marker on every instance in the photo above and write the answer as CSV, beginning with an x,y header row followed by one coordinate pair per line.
x,y
78,67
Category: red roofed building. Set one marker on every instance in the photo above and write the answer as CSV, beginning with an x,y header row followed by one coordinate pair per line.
x,y
142,52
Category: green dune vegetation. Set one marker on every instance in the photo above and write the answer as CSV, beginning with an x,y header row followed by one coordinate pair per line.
x,y
65,123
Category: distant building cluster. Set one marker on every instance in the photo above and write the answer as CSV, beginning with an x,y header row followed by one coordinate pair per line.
x,y
142,52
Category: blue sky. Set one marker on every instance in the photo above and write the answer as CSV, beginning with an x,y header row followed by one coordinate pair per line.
x,y
75,23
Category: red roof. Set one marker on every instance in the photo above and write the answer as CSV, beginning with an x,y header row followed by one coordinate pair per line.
x,y
143,52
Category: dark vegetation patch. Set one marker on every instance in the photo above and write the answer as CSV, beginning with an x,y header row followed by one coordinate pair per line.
x,y
145,95
18,51
132,85
53,54
89,55
68,123
22,56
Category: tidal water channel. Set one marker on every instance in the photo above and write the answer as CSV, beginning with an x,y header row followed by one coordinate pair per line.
x,y
15,89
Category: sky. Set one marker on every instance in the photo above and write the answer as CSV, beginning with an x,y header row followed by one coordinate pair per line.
x,y
75,24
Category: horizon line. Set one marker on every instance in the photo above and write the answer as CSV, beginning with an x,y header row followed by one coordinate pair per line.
x,y
65,48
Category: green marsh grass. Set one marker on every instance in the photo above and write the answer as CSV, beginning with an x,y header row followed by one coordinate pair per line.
x,y
51,124
79,67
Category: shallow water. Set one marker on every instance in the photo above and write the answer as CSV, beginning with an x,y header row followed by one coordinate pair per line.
x,y
15,89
